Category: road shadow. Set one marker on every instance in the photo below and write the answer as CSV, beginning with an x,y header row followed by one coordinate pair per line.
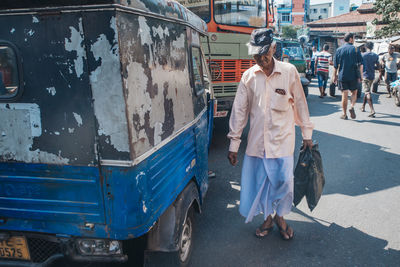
x,y
223,239
377,121
351,167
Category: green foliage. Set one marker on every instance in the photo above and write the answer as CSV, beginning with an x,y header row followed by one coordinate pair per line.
x,y
389,9
289,31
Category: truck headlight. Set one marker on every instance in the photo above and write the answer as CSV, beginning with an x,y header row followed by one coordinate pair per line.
x,y
99,247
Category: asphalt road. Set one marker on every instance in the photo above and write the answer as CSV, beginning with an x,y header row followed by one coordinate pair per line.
x,y
356,222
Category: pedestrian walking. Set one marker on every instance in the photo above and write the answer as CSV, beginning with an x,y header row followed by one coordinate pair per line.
x,y
389,60
312,63
370,64
348,62
322,62
270,93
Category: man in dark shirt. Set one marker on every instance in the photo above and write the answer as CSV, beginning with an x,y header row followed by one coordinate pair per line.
x,y
348,62
370,63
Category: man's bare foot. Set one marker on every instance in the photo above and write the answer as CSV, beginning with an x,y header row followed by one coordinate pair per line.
x,y
265,228
285,230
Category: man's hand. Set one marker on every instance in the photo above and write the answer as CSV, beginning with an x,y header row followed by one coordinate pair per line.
x,y
232,157
334,79
307,143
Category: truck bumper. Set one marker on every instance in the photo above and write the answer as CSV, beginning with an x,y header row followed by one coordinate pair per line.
x,y
45,249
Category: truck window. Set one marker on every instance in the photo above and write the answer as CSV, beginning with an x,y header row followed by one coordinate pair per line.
x,y
197,71
9,76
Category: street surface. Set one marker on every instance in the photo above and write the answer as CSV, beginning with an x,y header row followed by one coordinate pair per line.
x,y
357,220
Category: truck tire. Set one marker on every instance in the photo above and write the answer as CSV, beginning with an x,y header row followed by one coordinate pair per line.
x,y
305,88
186,239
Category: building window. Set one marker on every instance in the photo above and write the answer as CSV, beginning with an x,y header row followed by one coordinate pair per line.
x,y
285,17
341,8
314,11
324,10
9,72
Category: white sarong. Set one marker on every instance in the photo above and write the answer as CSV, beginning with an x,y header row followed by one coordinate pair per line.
x,y
266,186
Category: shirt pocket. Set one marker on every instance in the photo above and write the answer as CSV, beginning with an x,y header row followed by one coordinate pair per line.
x,y
280,103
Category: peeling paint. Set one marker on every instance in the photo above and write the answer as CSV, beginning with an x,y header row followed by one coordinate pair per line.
x,y
158,133
35,19
75,43
19,124
78,118
12,30
51,90
109,102
160,32
153,77
71,130
144,31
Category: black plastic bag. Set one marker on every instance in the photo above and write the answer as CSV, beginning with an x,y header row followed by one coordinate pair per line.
x,y
309,178
332,89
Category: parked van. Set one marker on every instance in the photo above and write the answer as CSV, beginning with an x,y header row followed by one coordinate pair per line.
x,y
104,129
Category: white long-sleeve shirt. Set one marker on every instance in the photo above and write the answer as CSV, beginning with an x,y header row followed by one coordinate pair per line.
x,y
274,104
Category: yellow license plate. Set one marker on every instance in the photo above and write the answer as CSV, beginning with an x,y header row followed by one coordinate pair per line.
x,y
15,247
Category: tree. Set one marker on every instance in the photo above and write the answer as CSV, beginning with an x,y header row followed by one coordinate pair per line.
x,y
389,10
289,32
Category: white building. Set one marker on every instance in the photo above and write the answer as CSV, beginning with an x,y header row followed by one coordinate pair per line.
x,y
340,7
320,11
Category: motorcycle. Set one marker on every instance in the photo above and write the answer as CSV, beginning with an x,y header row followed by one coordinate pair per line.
x,y
395,88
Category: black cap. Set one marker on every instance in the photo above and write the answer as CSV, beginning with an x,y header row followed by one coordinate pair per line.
x,y
262,38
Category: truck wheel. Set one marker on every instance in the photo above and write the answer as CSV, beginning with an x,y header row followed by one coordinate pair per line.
x,y
186,238
305,88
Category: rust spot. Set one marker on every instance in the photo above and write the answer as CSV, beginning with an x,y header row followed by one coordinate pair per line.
x,y
152,89
169,119
149,130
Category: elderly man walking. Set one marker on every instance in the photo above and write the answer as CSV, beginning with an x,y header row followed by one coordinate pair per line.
x,y
348,62
270,93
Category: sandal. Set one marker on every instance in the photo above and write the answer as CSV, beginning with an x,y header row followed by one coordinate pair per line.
x,y
344,117
261,232
352,113
372,115
282,232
